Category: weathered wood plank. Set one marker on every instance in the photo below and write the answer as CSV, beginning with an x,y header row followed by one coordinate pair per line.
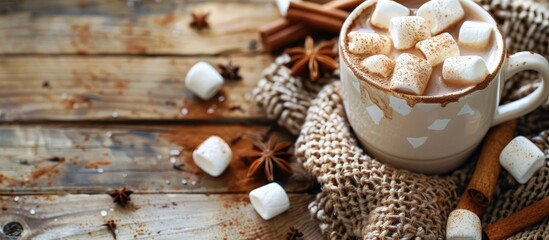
x,y
115,88
166,216
119,7
58,159
146,27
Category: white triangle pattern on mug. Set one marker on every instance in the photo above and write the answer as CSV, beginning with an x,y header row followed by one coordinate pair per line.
x,y
375,113
416,142
400,106
356,85
346,106
439,124
466,109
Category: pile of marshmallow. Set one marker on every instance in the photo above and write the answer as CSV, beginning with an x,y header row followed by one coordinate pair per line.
x,y
425,32
213,157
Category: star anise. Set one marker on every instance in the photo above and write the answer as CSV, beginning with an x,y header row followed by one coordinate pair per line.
x,y
229,71
315,60
270,158
56,159
121,196
179,166
111,226
294,234
200,20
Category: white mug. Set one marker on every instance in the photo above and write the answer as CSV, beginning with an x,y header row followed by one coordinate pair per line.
x,y
434,134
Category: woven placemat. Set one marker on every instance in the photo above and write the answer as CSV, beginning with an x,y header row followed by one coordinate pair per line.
x,y
361,198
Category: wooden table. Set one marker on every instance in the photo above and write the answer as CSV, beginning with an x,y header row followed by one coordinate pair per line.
x,y
98,85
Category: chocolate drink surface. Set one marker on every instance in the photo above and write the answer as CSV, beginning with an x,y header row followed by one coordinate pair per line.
x,y
436,85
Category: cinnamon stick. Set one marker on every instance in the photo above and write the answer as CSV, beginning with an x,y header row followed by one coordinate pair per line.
x,y
483,182
280,39
485,176
467,202
317,21
274,27
347,5
316,9
518,221
274,36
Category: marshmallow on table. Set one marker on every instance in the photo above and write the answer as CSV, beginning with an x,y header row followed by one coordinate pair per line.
x,y
521,158
213,156
203,80
441,14
368,43
411,74
269,200
438,48
464,70
407,31
463,224
385,10
379,64
475,35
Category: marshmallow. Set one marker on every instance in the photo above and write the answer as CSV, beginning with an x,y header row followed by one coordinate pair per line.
x,y
203,80
438,48
463,224
464,70
269,200
368,43
283,6
407,31
441,14
411,74
385,10
379,64
213,156
521,158
475,35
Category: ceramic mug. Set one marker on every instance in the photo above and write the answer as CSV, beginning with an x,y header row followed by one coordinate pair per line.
x,y
434,134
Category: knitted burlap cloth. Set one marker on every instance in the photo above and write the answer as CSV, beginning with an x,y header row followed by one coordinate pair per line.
x,y
365,199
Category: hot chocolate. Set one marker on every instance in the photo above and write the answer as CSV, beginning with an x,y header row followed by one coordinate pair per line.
x,y
434,36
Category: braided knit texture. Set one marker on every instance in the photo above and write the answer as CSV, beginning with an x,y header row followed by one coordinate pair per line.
x,y
361,198
286,98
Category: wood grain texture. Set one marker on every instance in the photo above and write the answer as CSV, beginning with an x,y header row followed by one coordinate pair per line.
x,y
144,27
97,159
118,88
165,216
112,71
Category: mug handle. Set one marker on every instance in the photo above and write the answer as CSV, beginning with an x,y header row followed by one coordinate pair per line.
x,y
519,62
